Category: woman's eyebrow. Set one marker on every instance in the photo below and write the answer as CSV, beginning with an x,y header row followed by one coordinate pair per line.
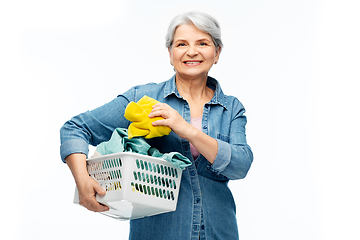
x,y
198,40
180,40
203,39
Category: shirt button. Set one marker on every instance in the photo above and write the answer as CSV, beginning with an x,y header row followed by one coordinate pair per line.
x,y
193,173
204,127
197,200
202,227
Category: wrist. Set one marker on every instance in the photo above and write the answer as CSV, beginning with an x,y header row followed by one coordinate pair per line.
x,y
77,164
192,133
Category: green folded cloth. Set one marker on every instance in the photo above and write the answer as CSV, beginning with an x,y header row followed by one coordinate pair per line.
x,y
120,142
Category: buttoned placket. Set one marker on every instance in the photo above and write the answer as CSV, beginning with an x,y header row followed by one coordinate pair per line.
x,y
202,226
195,185
204,121
197,207
205,129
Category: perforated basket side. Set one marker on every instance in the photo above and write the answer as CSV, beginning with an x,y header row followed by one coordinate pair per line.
x,y
107,171
156,181
144,184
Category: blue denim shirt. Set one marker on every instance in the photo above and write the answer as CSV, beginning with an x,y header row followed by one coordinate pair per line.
x,y
206,208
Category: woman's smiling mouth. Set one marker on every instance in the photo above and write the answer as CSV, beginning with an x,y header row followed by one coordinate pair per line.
x,y
192,63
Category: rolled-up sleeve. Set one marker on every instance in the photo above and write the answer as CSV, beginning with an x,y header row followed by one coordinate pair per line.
x,y
223,156
73,146
93,127
232,161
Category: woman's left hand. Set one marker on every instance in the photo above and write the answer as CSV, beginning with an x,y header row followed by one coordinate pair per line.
x,y
172,119
205,144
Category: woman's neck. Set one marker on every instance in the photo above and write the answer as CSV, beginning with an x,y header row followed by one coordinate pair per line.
x,y
193,89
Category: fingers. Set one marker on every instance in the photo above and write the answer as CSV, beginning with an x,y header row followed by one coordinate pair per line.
x,y
164,113
161,122
87,193
99,190
159,110
171,119
91,204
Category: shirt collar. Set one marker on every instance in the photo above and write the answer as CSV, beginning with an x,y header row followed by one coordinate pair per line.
x,y
218,98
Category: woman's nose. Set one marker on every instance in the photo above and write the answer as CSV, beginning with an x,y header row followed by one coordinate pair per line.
x,y
192,51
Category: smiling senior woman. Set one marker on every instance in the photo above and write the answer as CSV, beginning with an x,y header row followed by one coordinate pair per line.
x,y
207,126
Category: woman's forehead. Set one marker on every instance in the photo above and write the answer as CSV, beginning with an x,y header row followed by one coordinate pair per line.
x,y
190,31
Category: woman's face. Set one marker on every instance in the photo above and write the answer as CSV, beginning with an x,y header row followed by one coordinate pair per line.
x,y
193,52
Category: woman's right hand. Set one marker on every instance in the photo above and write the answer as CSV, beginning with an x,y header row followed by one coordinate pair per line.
x,y
87,186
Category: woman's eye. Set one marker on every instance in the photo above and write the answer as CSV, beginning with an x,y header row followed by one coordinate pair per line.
x,y
181,45
203,44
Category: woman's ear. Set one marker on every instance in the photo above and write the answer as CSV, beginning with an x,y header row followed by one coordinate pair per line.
x,y
170,56
217,54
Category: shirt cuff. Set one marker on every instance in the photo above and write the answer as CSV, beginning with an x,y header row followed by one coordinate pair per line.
x,y
223,157
73,146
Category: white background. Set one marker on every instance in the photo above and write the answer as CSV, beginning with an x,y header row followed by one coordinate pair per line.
x,y
293,64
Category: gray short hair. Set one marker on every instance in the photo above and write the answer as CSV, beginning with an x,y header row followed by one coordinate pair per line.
x,y
202,21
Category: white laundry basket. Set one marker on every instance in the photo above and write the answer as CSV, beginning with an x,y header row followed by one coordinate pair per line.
x,y
136,185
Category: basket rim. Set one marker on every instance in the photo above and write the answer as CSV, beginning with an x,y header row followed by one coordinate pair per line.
x,y
133,154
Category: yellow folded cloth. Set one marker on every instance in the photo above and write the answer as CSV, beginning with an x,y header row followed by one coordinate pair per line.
x,y
141,125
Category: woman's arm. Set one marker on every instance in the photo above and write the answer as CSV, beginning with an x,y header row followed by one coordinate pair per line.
x,y
235,156
231,159
93,127
86,185
205,144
